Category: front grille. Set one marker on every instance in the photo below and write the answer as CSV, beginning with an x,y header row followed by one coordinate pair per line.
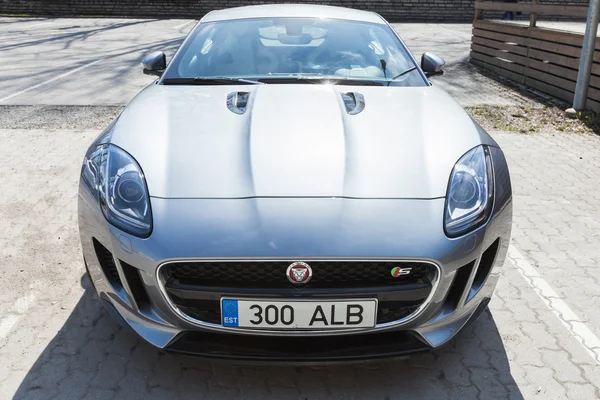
x,y
210,310
194,287
390,312
272,274
207,311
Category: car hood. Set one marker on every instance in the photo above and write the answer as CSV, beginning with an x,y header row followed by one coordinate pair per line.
x,y
296,140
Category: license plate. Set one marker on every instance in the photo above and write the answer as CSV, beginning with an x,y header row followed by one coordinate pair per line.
x,y
297,314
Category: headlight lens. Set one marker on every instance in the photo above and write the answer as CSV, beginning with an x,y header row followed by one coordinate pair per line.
x,y
470,192
119,186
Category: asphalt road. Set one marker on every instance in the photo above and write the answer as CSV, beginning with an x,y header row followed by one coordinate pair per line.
x,y
63,80
80,61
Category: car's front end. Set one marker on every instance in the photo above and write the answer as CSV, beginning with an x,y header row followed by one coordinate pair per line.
x,y
292,220
199,250
169,287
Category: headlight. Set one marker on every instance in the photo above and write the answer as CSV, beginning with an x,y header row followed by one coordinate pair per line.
x,y
470,192
118,183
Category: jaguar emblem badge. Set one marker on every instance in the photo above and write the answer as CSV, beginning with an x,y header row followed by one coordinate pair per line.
x,y
299,273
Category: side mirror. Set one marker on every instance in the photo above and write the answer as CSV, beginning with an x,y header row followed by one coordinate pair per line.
x,y
155,63
431,64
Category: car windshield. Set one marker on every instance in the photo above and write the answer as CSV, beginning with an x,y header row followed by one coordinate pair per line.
x,y
285,50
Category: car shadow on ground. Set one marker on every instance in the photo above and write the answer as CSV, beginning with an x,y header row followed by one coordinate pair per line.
x,y
93,357
68,38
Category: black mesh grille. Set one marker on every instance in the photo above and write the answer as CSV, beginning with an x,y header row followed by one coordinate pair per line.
x,y
272,274
210,311
390,312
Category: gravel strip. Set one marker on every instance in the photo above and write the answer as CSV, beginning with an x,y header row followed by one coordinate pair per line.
x,y
547,118
57,117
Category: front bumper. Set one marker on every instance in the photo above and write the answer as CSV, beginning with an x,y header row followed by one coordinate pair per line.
x,y
295,230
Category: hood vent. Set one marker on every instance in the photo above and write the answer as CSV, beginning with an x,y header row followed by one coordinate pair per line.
x,y
237,102
354,102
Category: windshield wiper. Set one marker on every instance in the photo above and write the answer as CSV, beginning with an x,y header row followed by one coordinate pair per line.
x,y
210,80
411,69
319,79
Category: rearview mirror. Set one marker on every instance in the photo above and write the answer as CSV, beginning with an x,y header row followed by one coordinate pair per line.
x,y
431,64
155,63
297,40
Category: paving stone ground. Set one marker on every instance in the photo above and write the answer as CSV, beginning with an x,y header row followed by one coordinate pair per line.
x,y
57,343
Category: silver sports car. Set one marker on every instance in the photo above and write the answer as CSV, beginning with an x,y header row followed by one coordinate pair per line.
x,y
292,187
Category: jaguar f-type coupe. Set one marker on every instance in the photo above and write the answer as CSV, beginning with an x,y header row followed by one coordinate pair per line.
x,y
293,187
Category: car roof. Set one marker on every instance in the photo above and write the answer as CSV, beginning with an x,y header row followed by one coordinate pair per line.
x,y
292,10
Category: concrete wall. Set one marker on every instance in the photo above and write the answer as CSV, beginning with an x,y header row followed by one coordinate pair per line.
x,y
393,10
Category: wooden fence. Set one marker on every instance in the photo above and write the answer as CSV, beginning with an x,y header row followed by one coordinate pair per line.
x,y
544,59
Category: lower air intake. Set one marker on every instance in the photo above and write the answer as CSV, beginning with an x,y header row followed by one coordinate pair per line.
x,y
307,349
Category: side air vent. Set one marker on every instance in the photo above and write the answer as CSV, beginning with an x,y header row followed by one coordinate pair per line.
x,y
136,286
354,102
459,284
485,267
237,102
107,263
456,290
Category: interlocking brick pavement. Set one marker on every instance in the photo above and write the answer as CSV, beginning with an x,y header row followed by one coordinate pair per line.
x,y
556,183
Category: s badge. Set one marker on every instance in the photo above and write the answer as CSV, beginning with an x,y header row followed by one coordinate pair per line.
x,y
397,271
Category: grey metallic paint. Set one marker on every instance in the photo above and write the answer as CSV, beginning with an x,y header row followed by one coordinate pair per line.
x,y
402,145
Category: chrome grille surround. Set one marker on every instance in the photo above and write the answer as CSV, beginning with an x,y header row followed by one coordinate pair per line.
x,y
218,327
